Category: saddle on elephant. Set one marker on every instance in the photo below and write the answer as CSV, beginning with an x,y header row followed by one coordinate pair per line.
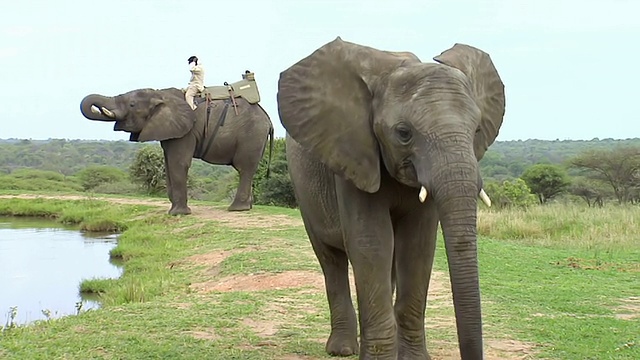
x,y
247,88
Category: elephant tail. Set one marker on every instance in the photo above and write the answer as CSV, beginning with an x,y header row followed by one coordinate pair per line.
x,y
270,151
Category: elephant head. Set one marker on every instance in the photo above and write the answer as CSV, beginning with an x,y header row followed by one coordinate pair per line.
x,y
147,114
429,124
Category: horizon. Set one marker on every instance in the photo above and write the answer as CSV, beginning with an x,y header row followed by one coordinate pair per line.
x,y
555,58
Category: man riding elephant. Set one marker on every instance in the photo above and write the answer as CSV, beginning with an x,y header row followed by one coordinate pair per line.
x,y
196,83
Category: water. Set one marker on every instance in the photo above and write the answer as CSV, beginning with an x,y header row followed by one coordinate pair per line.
x,y
42,264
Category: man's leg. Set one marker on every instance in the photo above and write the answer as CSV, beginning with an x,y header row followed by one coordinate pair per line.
x,y
189,95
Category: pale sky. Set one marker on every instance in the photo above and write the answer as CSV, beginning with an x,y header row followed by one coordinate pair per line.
x,y
570,67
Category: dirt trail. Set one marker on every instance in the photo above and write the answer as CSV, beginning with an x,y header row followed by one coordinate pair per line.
x,y
282,310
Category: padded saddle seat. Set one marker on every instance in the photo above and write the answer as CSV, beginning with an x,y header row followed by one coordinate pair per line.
x,y
247,88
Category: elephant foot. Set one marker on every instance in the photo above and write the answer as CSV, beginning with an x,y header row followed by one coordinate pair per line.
x,y
413,347
239,206
419,355
342,345
180,210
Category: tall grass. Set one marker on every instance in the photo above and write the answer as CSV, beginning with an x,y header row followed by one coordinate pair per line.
x,y
565,225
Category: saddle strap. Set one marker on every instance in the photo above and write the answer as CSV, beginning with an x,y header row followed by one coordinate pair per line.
x,y
219,124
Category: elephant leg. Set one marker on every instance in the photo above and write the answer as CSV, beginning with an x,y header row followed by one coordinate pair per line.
x,y
244,198
343,340
246,161
168,177
177,165
368,233
415,238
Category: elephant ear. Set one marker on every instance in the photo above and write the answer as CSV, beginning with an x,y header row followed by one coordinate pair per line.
x,y
169,117
488,90
325,101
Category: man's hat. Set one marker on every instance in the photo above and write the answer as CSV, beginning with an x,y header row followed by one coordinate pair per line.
x,y
193,58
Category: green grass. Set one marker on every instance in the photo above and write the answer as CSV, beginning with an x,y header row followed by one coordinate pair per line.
x,y
89,214
561,290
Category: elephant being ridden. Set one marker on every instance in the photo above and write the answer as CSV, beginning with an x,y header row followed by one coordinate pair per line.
x,y
164,115
381,149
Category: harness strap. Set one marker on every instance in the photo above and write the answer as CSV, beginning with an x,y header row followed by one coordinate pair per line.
x,y
220,123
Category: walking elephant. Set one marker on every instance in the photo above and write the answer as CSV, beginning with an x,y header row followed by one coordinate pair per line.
x,y
381,149
164,115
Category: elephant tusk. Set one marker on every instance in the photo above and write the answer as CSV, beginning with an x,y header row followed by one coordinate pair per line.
x,y
423,194
485,198
95,110
108,112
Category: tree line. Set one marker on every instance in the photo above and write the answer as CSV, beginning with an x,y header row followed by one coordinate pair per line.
x,y
515,173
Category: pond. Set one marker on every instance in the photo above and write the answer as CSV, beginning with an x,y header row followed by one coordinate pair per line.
x,y
42,264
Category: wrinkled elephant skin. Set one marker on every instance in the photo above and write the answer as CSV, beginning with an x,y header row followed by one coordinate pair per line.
x,y
382,148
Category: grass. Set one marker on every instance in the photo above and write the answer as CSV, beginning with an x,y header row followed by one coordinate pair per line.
x,y
562,288
89,214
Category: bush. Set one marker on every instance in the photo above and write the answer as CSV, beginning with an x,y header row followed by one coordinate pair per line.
x,y
511,193
276,189
94,176
147,169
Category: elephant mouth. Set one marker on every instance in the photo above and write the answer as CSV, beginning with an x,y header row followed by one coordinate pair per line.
x,y
134,136
103,111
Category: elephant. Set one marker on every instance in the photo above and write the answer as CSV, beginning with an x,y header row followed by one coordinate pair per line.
x,y
382,149
163,115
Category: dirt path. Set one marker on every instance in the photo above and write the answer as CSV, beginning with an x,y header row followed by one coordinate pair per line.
x,y
439,295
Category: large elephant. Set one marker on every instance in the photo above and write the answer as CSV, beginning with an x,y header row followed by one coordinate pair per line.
x,y
381,148
164,115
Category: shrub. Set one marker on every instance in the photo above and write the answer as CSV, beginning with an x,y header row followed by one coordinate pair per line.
x,y
147,169
94,176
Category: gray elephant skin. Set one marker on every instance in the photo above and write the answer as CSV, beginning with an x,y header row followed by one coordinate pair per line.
x,y
381,149
164,115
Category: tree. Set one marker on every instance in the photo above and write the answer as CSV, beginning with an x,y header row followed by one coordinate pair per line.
x,y
591,191
617,167
147,169
546,181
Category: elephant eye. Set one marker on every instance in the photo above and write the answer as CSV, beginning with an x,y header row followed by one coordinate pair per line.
x,y
132,104
403,133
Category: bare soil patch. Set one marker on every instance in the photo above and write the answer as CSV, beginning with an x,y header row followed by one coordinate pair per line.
x,y
205,334
244,219
260,282
494,350
630,308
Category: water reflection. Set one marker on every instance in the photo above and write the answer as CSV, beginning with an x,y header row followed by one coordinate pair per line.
x,y
42,264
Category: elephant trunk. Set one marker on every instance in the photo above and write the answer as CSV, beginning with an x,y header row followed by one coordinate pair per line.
x,y
455,186
98,107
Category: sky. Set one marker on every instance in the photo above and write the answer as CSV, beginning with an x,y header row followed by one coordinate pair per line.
x,y
570,67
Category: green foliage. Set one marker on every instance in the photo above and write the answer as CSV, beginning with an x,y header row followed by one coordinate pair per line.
x,y
593,192
70,156
38,180
96,175
147,169
510,193
508,159
277,189
618,167
546,181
